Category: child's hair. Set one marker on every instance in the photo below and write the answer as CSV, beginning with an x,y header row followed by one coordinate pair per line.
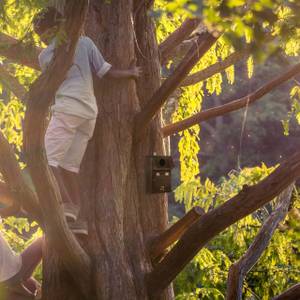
x,y
46,19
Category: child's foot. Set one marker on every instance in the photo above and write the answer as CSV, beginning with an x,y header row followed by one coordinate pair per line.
x,y
70,211
79,227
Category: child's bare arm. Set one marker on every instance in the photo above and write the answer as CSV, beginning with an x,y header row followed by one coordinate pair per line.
x,y
133,73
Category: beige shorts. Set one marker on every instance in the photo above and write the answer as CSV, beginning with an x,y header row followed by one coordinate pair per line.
x,y
66,140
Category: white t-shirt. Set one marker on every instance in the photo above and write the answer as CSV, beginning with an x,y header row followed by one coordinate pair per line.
x,y
10,262
76,96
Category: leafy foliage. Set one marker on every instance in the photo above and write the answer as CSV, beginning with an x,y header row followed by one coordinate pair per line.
x,y
205,277
295,109
243,20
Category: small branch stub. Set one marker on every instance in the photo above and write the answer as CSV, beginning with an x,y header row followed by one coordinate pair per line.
x,y
177,37
175,232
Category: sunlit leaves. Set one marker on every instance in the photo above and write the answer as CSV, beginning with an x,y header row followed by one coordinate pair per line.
x,y
250,66
294,111
189,103
242,20
205,277
11,116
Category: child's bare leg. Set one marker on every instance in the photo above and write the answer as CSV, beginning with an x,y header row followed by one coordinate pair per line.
x,y
62,186
70,210
71,181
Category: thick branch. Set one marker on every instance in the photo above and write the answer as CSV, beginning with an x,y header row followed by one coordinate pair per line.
x,y
18,189
176,38
40,97
11,83
239,270
175,232
19,52
291,293
231,106
215,68
201,46
215,221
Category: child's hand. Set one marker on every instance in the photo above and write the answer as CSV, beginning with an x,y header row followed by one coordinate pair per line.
x,y
135,72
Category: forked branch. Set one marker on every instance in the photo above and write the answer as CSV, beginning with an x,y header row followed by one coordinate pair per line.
x,y
215,221
19,52
232,105
239,269
291,293
176,38
40,97
175,232
11,83
201,46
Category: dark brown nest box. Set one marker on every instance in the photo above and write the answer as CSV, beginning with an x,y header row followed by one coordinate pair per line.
x,y
159,174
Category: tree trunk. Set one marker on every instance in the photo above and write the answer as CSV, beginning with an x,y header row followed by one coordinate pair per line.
x,y
122,217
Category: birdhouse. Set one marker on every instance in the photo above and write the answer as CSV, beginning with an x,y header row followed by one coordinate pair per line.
x,y
159,174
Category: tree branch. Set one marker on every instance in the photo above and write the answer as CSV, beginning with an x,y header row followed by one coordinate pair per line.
x,y
11,83
215,221
291,293
40,97
176,38
175,232
201,46
231,106
221,65
215,68
19,52
239,269
18,191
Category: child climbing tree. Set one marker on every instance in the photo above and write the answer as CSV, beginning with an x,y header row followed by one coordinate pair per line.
x,y
127,253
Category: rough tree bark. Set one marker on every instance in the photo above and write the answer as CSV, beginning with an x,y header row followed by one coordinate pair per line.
x,y
121,216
